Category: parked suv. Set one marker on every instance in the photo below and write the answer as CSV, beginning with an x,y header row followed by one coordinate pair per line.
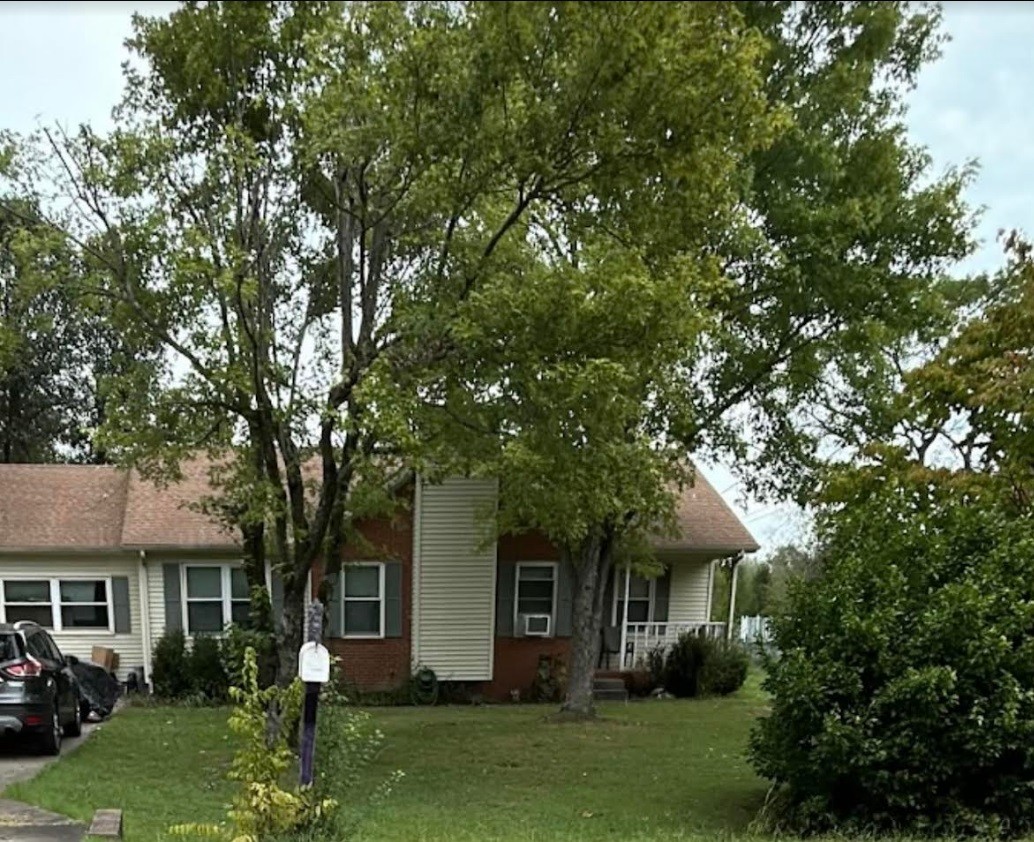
x,y
38,692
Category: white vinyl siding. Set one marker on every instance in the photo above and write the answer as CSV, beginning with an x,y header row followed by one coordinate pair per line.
x,y
455,568
80,642
688,597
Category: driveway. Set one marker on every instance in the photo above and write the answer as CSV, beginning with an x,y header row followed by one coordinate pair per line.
x,y
20,822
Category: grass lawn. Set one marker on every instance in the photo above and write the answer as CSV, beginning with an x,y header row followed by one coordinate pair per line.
x,y
650,771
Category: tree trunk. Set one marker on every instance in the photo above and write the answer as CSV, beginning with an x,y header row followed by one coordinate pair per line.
x,y
290,639
591,564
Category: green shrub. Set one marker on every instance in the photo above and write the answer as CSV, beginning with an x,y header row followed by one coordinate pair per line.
x,y
903,695
207,674
236,641
683,664
724,669
655,660
171,670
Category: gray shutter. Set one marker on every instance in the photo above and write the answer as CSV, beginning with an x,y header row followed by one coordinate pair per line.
x,y
120,602
662,588
393,599
173,603
564,599
276,598
504,596
334,606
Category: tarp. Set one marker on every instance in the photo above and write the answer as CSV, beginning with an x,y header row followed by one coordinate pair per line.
x,y
99,688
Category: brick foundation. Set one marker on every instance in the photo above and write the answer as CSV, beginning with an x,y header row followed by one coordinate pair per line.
x,y
517,662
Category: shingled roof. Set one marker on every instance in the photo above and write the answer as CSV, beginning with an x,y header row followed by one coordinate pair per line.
x,y
706,522
78,507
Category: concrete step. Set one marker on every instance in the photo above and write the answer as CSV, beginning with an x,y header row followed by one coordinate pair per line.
x,y
610,695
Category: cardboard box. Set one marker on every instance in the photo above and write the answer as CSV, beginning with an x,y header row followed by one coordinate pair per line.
x,y
106,657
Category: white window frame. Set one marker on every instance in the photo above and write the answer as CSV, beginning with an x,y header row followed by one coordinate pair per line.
x,y
54,582
381,598
225,593
517,630
619,594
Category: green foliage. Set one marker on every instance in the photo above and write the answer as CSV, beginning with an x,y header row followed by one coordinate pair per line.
x,y
724,670
207,674
901,698
171,669
262,808
236,640
683,664
701,666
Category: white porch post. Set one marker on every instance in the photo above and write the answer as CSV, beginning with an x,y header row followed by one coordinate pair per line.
x,y
624,621
732,596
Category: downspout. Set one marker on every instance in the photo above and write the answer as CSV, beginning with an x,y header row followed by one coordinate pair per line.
x,y
624,621
732,595
414,593
145,614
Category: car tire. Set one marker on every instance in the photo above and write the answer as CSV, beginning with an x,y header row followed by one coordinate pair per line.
x,y
75,727
50,740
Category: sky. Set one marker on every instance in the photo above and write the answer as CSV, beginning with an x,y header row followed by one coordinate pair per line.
x,y
61,62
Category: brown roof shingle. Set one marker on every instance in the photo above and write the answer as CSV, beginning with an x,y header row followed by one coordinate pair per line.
x,y
161,516
95,507
61,506
706,522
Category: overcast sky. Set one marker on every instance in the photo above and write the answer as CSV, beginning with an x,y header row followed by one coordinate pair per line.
x,y
60,61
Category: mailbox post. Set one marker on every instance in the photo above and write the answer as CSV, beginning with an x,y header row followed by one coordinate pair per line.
x,y
314,671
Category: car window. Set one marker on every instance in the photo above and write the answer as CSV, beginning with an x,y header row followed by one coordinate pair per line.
x,y
37,647
9,648
51,646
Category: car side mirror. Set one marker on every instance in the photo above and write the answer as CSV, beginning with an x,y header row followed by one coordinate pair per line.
x,y
71,660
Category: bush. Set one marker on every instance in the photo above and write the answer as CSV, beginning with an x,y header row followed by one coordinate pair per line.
x,y
683,665
655,660
724,669
639,683
903,697
207,675
171,670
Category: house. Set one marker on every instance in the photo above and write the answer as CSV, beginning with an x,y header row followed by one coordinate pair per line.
x,y
103,557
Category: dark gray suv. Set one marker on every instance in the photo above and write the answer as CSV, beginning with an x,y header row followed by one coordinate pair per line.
x,y
39,694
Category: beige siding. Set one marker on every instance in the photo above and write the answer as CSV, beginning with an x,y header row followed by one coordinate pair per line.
x,y
129,647
689,598
454,573
155,599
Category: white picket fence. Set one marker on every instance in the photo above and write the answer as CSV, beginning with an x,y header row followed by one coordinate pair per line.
x,y
754,630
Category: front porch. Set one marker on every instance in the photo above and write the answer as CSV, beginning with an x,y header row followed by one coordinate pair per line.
x,y
637,640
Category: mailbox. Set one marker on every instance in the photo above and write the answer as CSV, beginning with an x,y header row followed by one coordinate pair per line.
x,y
314,663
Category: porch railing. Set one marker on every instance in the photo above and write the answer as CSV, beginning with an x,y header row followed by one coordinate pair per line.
x,y
643,638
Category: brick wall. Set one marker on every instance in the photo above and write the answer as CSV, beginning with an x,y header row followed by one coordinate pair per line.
x,y
380,664
517,658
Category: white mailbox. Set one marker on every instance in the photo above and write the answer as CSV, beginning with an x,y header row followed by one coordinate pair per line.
x,y
314,663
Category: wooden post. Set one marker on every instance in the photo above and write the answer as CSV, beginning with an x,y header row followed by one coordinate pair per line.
x,y
313,633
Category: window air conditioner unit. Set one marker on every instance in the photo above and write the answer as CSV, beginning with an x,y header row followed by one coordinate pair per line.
x,y
536,625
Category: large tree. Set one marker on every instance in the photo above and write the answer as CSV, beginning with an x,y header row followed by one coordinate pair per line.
x,y
299,193
54,346
748,339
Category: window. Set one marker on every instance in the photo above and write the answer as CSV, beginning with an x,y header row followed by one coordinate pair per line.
x,y
363,600
536,591
28,599
59,604
640,598
84,604
216,595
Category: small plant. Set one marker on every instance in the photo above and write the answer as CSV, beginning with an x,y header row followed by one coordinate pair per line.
x,y
724,670
550,680
207,674
171,671
655,659
638,683
236,640
262,808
